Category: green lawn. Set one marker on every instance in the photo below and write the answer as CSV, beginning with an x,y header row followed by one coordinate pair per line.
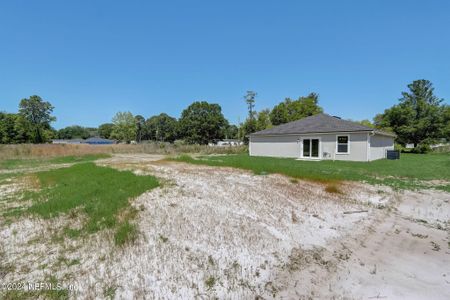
x,y
11,164
410,172
101,193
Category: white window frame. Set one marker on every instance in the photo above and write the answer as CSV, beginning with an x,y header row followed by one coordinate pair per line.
x,y
311,138
337,144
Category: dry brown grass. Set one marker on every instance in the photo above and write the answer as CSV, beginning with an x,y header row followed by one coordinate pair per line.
x,y
55,150
332,188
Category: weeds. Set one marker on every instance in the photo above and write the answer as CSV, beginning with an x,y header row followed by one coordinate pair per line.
x,y
210,282
126,233
109,292
333,189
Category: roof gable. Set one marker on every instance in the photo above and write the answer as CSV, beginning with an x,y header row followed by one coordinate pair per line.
x,y
320,123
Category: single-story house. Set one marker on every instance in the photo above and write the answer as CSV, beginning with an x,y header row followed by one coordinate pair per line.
x,y
322,137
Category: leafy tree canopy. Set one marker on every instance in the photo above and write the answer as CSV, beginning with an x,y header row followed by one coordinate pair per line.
x,y
140,124
231,132
263,120
291,110
124,128
37,113
162,128
74,132
419,117
105,130
202,122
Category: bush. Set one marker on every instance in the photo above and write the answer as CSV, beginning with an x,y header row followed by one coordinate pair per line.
x,y
400,148
422,149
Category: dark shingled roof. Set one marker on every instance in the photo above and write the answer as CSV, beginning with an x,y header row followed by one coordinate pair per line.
x,y
320,123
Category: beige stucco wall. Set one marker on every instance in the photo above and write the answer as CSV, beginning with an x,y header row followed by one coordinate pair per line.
x,y
379,144
290,146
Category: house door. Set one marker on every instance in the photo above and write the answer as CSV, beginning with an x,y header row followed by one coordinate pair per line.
x,y
311,148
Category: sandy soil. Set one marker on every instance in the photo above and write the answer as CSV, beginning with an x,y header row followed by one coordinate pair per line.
x,y
220,232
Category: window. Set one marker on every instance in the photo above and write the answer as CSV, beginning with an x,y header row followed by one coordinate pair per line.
x,y
342,144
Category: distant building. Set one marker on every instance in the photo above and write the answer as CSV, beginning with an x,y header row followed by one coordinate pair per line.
x,y
90,141
98,141
227,142
66,141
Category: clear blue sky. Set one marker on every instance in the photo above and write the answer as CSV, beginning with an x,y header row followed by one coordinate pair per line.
x,y
91,59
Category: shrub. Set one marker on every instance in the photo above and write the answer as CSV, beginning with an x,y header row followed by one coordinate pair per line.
x,y
422,148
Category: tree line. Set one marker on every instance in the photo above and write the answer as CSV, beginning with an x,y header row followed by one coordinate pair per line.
x,y
420,118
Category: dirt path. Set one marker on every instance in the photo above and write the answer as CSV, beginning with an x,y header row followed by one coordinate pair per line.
x,y
406,254
221,232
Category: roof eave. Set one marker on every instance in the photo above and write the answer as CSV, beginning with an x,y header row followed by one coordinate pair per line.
x,y
309,133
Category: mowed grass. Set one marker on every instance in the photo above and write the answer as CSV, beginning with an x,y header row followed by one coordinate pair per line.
x,y
102,194
11,164
410,172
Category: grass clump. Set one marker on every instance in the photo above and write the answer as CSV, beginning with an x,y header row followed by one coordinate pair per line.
x,y
126,233
333,189
210,282
410,172
101,194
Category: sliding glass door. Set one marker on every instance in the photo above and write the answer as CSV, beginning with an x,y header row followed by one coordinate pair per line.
x,y
311,148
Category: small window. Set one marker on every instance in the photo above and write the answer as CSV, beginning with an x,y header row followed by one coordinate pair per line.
x,y
342,144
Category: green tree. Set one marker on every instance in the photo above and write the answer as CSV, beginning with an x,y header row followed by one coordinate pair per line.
x,y
250,100
13,129
364,122
445,131
202,122
231,132
74,132
279,114
124,128
140,126
248,128
292,110
418,118
162,128
249,125
38,113
263,120
105,130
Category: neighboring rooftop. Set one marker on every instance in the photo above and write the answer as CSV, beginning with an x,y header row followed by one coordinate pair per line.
x,y
92,140
320,123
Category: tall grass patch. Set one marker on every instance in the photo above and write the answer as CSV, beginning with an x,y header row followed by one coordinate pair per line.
x,y
102,194
22,151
